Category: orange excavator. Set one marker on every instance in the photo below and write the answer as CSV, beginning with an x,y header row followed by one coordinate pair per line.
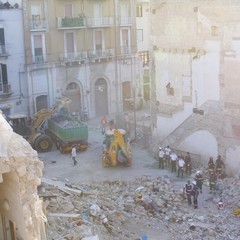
x,y
116,149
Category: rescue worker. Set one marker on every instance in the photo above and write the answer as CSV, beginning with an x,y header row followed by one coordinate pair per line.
x,y
147,203
173,158
181,164
212,182
188,191
188,164
103,124
220,204
195,194
211,165
161,158
74,155
199,180
219,167
167,151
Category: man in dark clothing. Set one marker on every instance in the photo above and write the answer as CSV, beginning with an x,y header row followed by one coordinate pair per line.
x,y
211,165
188,165
212,182
188,191
199,180
219,166
195,194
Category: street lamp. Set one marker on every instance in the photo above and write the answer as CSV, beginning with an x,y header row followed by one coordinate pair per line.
x,y
134,112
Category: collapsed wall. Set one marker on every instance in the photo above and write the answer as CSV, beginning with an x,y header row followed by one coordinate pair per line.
x,y
20,174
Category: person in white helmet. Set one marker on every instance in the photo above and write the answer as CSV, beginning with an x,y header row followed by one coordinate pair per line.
x,y
161,158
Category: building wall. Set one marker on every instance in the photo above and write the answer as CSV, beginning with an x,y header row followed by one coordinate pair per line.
x,y
16,101
196,45
61,70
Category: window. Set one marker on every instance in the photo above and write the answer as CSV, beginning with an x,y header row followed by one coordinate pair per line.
x,y
68,10
139,35
98,40
170,90
139,10
125,41
36,15
70,45
3,77
144,55
2,41
38,49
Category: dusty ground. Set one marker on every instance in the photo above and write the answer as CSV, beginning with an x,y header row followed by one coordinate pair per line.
x,y
90,170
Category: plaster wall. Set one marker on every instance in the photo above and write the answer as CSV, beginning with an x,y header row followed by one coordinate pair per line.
x,y
20,172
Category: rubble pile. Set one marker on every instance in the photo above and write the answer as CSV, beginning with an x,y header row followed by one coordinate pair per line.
x,y
109,210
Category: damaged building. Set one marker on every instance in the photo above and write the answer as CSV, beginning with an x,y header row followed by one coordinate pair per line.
x,y
195,74
22,212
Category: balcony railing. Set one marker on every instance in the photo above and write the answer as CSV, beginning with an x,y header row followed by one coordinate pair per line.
x,y
82,56
126,50
126,21
74,22
39,59
100,22
5,89
103,53
38,24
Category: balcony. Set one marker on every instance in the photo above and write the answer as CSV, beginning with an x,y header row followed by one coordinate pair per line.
x,y
100,22
74,22
36,25
81,57
126,21
73,57
38,59
103,53
5,89
126,50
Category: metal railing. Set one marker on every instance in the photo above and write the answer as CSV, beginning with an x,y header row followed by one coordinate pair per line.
x,y
100,22
74,22
38,24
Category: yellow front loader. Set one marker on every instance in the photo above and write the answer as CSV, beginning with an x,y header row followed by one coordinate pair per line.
x,y
116,149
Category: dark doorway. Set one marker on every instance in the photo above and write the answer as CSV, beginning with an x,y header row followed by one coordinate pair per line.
x,y
73,93
41,102
101,97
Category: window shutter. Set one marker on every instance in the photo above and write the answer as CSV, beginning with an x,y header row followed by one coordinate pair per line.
x,y
4,74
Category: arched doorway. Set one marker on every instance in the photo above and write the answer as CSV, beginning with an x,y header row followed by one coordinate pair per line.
x,y
41,102
101,97
127,99
73,93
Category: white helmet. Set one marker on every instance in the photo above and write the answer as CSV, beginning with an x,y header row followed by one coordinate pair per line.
x,y
194,183
198,172
160,148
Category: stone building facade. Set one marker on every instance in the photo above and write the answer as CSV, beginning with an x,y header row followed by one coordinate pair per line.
x,y
85,50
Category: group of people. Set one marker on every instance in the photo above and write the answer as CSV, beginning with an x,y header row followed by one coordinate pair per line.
x,y
216,171
169,159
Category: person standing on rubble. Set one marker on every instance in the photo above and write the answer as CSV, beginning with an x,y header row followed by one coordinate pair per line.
x,y
219,167
167,151
211,166
212,182
173,157
181,164
161,158
195,194
188,191
188,164
199,180
74,155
